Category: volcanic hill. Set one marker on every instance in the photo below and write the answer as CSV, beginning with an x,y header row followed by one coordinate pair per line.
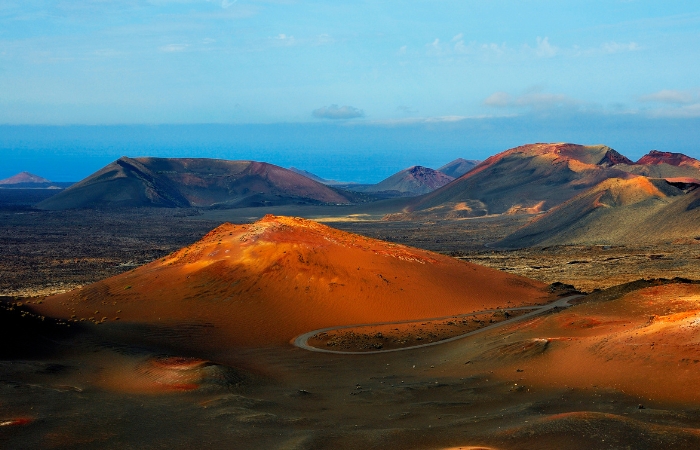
x,y
532,177
24,177
415,180
26,180
537,177
668,165
640,338
617,212
458,167
192,182
265,283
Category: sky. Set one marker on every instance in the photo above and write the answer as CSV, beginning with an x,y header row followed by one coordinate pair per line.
x,y
374,85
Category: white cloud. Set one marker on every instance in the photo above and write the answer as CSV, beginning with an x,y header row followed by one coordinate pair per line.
x,y
461,48
615,47
668,96
671,103
687,111
494,49
337,112
284,39
324,39
541,100
534,99
172,48
426,120
406,109
544,49
225,4
499,99
108,53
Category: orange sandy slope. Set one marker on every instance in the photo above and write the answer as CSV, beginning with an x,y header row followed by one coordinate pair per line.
x,y
265,283
646,343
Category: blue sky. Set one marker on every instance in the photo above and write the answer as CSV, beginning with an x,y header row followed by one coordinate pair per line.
x,y
401,67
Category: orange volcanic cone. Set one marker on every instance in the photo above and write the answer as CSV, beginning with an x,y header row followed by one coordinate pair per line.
x,y
265,283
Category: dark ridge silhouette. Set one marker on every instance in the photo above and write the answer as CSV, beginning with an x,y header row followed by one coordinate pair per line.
x,y
192,182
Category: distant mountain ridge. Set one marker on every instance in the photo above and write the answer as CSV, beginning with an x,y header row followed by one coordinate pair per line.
x,y
24,177
26,180
192,182
617,212
656,157
537,177
458,167
415,180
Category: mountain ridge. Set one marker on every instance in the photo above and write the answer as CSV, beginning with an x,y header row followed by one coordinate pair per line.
x,y
192,182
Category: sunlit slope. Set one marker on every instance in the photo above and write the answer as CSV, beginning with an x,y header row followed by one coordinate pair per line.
x,y
617,211
643,343
265,283
536,175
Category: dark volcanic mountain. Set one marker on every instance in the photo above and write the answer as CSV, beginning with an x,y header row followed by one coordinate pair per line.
x,y
196,182
415,180
458,167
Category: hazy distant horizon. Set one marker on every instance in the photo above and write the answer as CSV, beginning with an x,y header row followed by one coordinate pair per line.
x,y
354,152
348,90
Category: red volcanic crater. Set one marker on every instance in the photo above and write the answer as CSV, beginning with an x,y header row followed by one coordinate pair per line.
x,y
267,282
656,157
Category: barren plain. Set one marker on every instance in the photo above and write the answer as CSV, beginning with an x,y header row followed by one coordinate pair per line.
x,y
617,370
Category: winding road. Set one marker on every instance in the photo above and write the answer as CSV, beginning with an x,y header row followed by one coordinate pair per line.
x,y
302,341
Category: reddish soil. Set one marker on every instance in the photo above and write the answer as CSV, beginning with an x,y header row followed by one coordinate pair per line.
x,y
656,157
265,283
636,344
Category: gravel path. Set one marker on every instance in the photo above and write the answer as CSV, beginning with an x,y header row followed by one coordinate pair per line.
x,y
302,341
